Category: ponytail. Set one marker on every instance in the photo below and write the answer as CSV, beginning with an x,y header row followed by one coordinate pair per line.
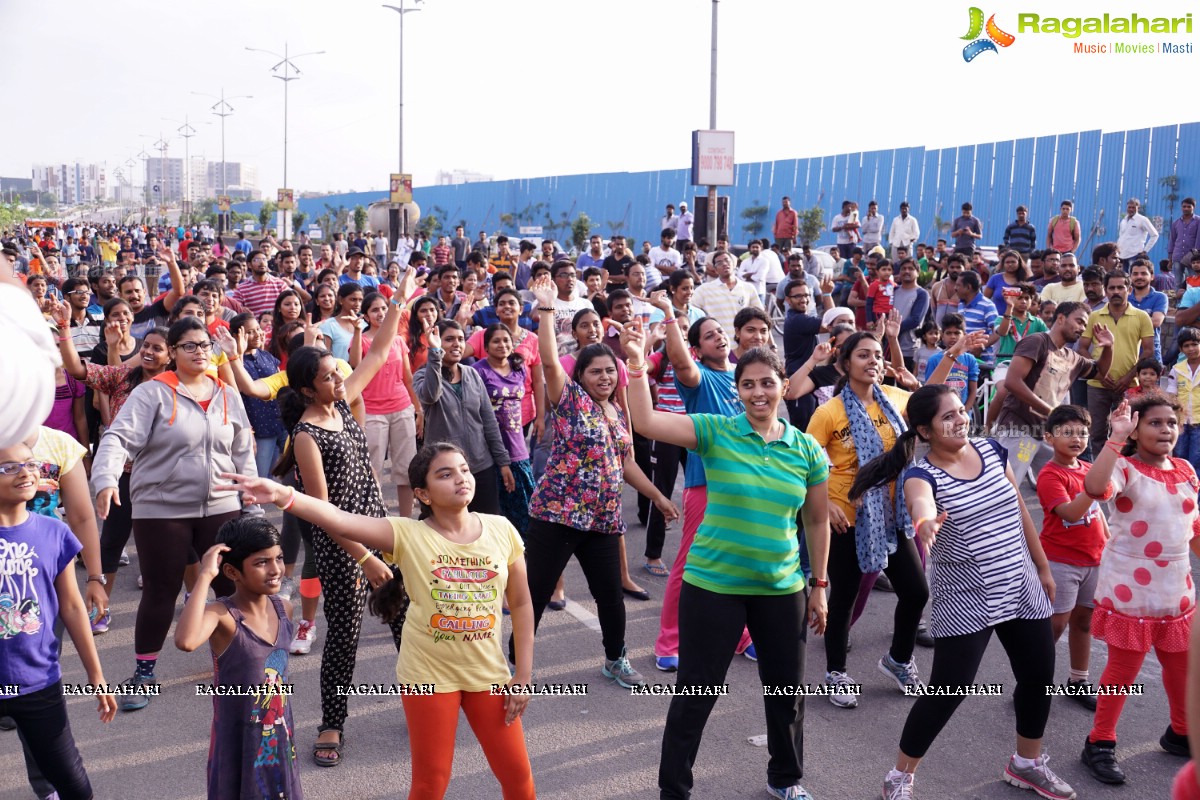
x,y
291,408
886,468
389,601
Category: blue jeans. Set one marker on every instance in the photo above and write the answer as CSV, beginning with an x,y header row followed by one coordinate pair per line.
x,y
266,453
1188,445
42,721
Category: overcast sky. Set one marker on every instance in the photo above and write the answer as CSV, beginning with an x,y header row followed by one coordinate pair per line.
x,y
546,87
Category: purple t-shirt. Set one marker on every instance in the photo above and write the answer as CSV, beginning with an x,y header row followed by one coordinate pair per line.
x,y
506,393
32,555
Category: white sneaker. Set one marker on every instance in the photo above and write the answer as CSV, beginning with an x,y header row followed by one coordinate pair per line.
x,y
303,641
843,691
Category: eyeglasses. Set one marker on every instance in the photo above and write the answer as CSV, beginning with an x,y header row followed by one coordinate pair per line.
x,y
804,295
192,347
15,467
79,292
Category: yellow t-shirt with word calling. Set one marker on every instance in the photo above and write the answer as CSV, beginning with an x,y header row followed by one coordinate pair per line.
x,y
831,428
452,634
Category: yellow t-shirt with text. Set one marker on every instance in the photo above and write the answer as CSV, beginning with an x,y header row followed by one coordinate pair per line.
x,y
452,634
280,379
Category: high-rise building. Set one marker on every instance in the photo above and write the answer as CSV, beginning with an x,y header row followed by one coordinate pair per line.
x,y
72,183
238,177
164,179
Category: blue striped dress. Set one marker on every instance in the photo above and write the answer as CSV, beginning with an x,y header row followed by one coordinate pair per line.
x,y
981,573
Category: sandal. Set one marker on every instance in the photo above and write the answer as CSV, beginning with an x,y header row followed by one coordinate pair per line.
x,y
657,570
336,748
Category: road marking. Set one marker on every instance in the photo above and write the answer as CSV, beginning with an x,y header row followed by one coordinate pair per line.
x,y
583,615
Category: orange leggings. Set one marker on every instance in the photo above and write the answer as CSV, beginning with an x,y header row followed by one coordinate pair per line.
x,y
432,722
1121,670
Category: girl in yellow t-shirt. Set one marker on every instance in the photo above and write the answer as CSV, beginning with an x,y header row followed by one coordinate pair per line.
x,y
451,658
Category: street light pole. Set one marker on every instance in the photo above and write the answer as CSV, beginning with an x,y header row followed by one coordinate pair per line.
x,y
395,216
286,61
712,126
223,109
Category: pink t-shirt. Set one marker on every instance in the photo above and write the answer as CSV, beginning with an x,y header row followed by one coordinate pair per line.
x,y
528,348
386,393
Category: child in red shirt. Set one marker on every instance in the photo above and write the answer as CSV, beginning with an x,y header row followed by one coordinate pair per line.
x,y
1073,535
879,295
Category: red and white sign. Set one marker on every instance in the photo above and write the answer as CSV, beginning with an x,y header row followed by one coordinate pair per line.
x,y
712,158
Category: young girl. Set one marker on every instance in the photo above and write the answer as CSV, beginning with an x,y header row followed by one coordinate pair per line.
x,y
1005,286
269,434
324,302
457,409
344,330
38,585
394,418
987,574
422,317
251,748
482,554
505,377
1144,593
928,335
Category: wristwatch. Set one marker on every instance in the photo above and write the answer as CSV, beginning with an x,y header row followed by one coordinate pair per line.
x,y
100,579
820,584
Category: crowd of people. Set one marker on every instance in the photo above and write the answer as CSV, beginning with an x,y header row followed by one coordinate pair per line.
x,y
881,442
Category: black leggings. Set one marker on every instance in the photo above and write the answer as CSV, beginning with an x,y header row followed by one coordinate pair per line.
x,y
117,527
641,456
549,547
45,731
289,531
1030,647
666,458
905,572
164,547
710,625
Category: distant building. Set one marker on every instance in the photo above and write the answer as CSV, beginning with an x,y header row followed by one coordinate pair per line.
x,y
236,175
72,184
457,176
164,179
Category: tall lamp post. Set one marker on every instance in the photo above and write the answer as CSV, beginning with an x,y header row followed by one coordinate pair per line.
x,y
161,146
223,109
186,132
290,73
395,215
712,125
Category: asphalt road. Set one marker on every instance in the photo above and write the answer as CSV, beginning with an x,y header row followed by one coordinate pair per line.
x,y
604,745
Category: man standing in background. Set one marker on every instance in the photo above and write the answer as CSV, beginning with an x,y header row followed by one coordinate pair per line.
x,y
787,226
904,231
1135,234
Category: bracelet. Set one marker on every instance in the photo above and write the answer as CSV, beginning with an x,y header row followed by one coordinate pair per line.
x,y
1116,446
918,522
548,310
636,373
672,320
364,557
291,501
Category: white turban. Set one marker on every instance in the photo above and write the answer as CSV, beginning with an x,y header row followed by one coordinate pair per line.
x,y
26,367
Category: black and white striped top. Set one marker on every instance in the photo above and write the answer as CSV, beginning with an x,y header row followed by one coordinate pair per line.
x,y
981,573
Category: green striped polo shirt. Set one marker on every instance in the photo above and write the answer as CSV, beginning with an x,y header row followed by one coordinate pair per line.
x,y
746,543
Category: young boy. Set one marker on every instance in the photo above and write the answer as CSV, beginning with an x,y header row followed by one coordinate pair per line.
x,y
1149,373
964,375
1073,536
38,584
1020,323
1183,384
252,752
879,295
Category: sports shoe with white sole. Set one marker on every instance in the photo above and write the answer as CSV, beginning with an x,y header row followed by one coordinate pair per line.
x,y
621,671
905,675
844,693
302,642
899,788
1040,778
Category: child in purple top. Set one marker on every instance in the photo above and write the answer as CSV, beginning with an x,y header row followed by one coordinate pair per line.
x,y
504,376
36,585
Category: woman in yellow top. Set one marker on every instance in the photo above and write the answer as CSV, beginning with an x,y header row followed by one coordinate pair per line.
x,y
862,421
452,655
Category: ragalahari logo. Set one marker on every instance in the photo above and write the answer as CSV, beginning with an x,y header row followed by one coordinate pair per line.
x,y
995,36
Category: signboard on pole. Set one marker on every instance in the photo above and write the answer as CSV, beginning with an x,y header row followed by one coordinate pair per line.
x,y
712,158
287,200
400,187
224,203
530,230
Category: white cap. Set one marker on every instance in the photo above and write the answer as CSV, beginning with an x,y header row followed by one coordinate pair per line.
x,y
834,313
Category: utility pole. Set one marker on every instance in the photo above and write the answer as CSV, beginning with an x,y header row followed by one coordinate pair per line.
x,y
223,109
712,126
396,215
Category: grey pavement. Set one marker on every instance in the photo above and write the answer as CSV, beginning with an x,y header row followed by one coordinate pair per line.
x,y
604,745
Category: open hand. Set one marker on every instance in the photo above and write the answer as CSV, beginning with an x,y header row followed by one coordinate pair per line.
x,y
1121,423
543,289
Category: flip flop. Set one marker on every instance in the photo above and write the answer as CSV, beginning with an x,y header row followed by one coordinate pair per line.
x,y
326,761
657,570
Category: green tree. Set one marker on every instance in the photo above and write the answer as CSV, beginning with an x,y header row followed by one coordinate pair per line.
x,y
812,224
360,218
266,213
581,229
754,219
298,220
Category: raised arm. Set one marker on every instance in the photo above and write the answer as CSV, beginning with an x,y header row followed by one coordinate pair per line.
x,y
556,378
951,355
376,356
801,383
177,288
686,371
72,364
367,532
676,429
235,349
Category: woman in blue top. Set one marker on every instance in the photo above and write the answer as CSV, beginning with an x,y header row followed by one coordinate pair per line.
x,y
987,573
744,566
